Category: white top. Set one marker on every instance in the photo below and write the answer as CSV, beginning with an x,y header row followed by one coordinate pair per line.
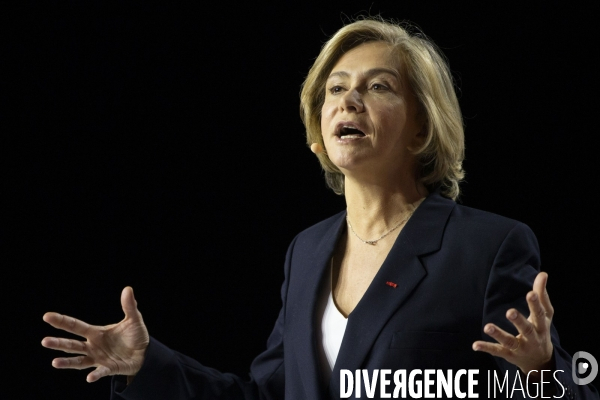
x,y
333,327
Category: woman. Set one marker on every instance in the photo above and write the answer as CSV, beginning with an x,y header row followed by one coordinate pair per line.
x,y
404,279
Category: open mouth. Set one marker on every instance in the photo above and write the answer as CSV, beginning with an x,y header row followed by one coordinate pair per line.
x,y
347,132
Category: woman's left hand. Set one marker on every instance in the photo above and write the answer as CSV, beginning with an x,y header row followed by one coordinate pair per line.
x,y
532,348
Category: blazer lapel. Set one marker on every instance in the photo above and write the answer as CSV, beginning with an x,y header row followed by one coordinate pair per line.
x,y
305,326
422,234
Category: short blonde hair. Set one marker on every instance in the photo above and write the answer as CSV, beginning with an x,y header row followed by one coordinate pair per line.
x,y
440,158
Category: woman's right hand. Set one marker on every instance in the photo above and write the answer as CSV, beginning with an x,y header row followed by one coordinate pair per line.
x,y
116,349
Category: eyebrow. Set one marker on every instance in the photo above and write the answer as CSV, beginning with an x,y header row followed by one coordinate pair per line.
x,y
371,72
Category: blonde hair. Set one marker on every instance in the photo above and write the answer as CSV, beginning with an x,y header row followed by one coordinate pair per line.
x,y
440,158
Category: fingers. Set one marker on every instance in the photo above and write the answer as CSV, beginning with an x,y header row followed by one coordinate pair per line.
x,y
539,284
506,347
541,310
80,362
67,323
532,347
540,287
494,349
507,343
537,312
524,327
129,304
112,349
66,345
504,339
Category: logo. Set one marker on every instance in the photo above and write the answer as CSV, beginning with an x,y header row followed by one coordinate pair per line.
x,y
585,368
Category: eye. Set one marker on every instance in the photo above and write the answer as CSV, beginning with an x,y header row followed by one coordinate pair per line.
x,y
378,87
336,89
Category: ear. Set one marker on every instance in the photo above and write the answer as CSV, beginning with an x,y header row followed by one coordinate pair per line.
x,y
419,138
422,135
421,126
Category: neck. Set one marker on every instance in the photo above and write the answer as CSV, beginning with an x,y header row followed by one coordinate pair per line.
x,y
375,207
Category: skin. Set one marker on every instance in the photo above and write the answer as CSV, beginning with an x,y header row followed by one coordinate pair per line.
x,y
366,88
531,349
116,349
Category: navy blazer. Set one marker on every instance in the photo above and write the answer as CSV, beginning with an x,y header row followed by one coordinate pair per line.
x,y
456,269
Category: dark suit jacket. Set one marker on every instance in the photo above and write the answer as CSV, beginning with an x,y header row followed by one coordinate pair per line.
x,y
456,269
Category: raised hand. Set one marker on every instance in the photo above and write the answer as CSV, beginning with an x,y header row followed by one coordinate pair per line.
x,y
116,349
532,348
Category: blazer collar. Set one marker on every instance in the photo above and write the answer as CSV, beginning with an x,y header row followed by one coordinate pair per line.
x,y
306,325
422,234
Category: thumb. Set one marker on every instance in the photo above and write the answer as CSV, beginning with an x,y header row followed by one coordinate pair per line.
x,y
100,372
128,303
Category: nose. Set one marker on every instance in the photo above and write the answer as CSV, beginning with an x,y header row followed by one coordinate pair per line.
x,y
352,101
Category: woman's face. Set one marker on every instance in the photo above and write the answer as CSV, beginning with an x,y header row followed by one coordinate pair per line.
x,y
369,117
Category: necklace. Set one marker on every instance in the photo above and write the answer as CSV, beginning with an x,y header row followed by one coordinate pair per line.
x,y
374,242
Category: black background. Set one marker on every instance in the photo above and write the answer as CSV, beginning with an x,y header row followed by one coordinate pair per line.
x,y
160,146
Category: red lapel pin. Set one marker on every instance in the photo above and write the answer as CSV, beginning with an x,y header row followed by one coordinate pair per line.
x,y
392,284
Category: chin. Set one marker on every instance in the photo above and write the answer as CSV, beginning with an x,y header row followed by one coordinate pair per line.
x,y
354,164
347,161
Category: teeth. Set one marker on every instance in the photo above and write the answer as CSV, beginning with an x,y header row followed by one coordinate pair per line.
x,y
351,136
346,132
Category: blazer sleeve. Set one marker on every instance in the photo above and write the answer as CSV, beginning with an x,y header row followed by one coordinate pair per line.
x,y
167,374
514,269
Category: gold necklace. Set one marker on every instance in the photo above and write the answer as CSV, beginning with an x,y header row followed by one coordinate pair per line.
x,y
374,242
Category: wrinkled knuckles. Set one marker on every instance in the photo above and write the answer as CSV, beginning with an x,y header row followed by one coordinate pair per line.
x,y
529,330
532,297
73,345
541,314
511,344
